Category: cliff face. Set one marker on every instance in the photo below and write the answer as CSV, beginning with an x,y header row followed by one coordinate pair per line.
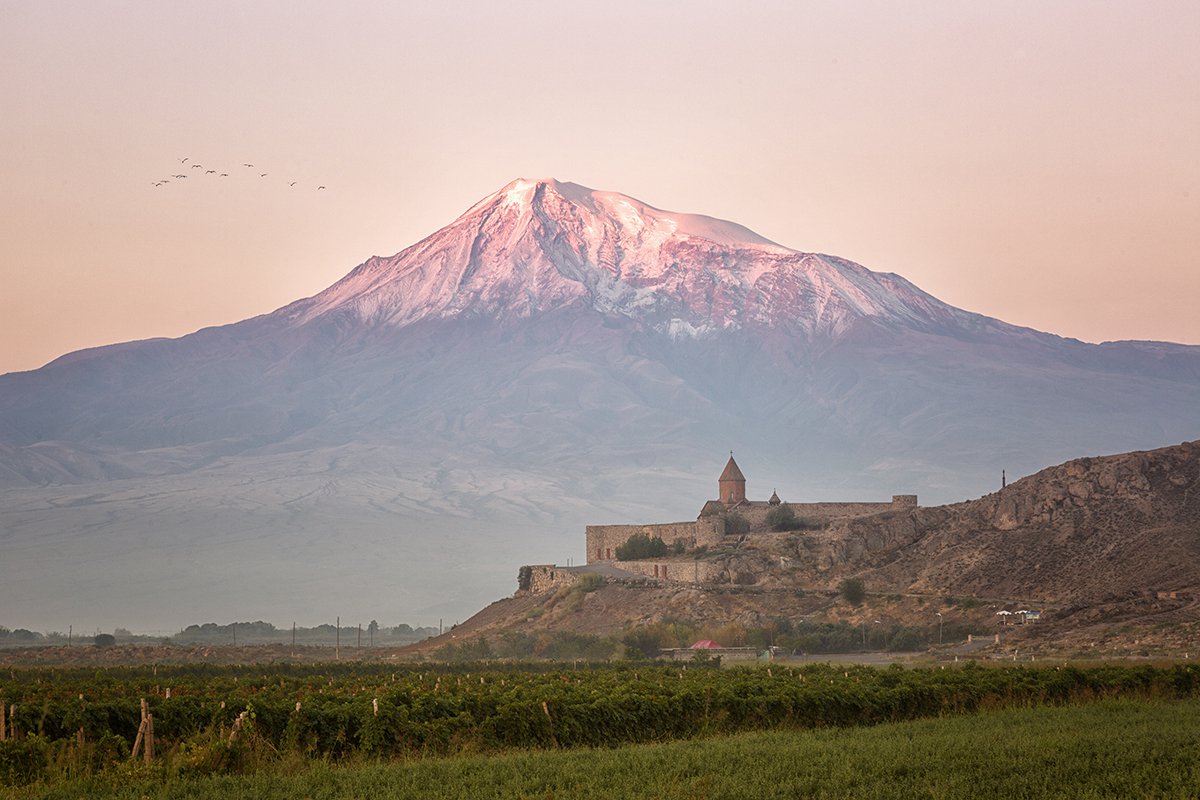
x,y
1084,531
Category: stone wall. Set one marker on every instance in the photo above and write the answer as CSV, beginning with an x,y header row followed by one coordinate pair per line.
x,y
756,513
603,540
681,570
545,578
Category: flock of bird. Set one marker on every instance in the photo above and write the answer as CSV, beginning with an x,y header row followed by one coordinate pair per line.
x,y
183,175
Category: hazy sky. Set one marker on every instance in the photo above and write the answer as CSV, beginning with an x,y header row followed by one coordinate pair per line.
x,y
1034,161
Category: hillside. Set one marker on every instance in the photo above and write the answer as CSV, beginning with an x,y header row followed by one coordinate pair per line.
x,y
1092,543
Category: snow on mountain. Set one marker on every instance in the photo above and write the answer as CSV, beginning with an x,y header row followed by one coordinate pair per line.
x,y
543,245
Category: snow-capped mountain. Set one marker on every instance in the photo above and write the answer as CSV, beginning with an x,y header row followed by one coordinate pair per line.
x,y
397,445
542,245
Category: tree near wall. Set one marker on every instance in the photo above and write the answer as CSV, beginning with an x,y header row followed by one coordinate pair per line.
x,y
783,518
639,546
735,523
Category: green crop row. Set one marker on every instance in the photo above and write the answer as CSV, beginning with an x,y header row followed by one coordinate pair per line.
x,y
376,713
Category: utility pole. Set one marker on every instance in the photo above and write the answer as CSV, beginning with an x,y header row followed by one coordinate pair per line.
x,y
1003,479
337,646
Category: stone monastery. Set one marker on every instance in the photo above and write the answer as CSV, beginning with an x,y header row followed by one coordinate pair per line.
x,y
723,523
710,528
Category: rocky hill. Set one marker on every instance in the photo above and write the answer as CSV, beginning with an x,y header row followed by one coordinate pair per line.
x,y
1094,543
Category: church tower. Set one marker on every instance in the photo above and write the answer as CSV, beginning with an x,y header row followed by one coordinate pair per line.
x,y
732,484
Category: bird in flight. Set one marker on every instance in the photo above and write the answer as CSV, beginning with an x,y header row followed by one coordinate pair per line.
x,y
183,161
197,166
179,176
224,174
263,175
293,183
210,172
247,165
320,188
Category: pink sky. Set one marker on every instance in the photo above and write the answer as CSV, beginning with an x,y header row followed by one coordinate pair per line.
x,y
1036,162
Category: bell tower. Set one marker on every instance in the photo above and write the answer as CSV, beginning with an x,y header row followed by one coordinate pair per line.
x,y
732,484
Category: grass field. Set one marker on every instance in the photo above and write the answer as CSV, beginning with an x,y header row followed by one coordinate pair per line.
x,y
1107,749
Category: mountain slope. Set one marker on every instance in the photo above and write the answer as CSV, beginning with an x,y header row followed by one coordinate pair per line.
x,y
554,357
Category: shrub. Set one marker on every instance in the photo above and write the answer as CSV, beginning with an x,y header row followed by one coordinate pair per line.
x,y
904,639
524,578
590,582
642,643
853,591
639,545
104,640
783,518
736,523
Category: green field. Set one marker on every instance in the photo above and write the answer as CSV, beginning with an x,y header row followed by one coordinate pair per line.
x,y
1107,749
629,729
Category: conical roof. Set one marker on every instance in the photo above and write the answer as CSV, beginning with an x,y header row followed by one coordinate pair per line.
x,y
732,473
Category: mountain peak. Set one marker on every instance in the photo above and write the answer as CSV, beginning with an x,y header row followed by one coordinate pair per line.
x,y
541,244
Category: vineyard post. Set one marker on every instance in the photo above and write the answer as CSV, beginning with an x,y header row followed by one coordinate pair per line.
x,y
140,740
149,735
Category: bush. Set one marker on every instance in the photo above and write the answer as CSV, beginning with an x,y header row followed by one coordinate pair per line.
x,y
853,591
642,643
736,523
590,582
104,640
783,518
641,546
905,639
524,578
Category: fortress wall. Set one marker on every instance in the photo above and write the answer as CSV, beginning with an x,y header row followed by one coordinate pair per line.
x,y
549,578
674,570
603,540
756,514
